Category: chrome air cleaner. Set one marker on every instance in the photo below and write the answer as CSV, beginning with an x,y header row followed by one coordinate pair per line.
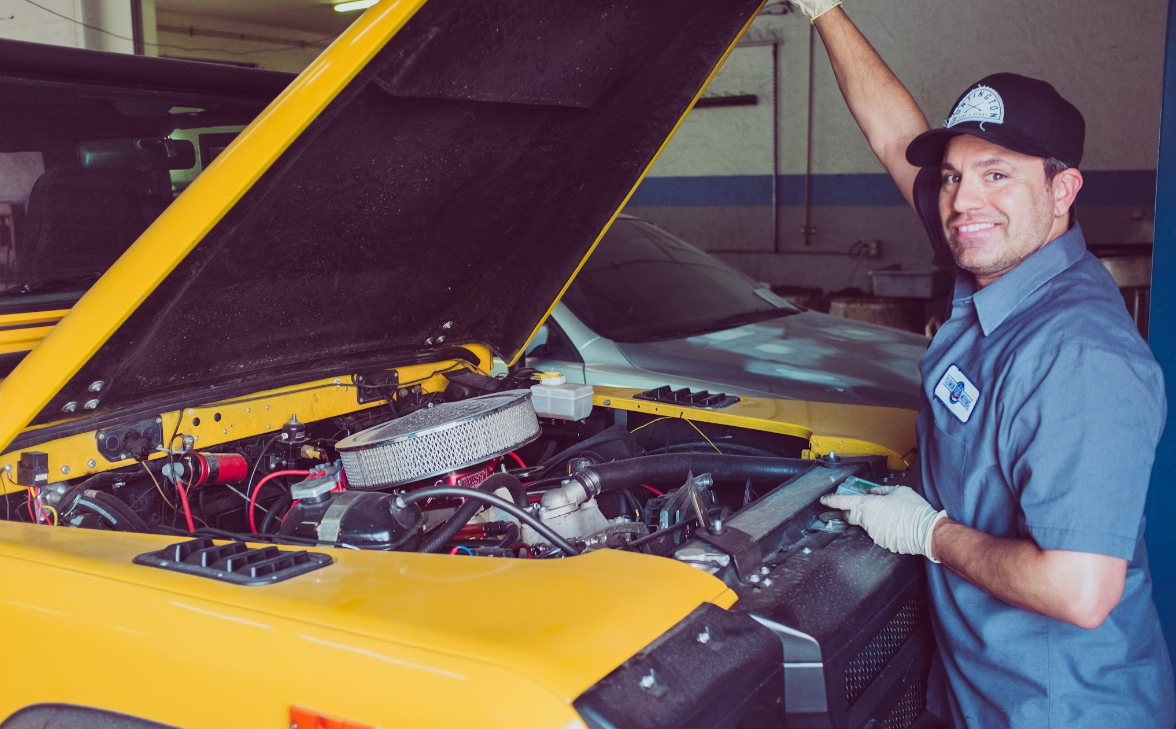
x,y
437,440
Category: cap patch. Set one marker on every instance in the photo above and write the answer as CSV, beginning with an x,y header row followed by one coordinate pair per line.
x,y
981,104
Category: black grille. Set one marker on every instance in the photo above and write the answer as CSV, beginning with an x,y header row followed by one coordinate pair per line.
x,y
870,661
234,562
914,700
685,396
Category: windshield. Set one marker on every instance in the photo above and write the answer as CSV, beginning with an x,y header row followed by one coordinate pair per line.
x,y
642,284
85,169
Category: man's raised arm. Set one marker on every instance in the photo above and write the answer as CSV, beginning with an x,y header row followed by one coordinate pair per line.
x,y
881,105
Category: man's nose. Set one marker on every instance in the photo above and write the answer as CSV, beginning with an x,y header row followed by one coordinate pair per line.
x,y
968,196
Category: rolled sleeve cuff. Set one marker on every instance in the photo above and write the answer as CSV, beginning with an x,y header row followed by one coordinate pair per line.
x,y
1073,540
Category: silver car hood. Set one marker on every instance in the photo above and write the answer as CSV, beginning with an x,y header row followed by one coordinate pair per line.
x,y
806,356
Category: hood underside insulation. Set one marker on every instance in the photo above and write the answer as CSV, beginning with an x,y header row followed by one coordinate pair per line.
x,y
451,189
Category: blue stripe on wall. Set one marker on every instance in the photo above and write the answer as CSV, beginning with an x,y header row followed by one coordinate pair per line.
x,y
1102,187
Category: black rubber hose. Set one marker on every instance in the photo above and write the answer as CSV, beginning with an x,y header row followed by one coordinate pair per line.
x,y
510,536
608,435
281,505
66,503
704,447
113,510
113,502
674,468
521,514
466,511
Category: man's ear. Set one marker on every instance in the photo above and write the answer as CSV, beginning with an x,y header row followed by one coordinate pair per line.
x,y
1065,188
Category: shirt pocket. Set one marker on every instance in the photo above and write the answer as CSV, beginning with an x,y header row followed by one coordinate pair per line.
x,y
947,458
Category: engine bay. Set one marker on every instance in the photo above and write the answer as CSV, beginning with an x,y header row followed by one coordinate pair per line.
x,y
471,470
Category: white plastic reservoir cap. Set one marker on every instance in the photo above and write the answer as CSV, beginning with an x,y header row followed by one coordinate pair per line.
x,y
551,378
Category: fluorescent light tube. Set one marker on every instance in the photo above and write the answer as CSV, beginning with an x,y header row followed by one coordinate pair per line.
x,y
354,5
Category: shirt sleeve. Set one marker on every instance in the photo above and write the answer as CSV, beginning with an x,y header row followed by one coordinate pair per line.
x,y
1082,439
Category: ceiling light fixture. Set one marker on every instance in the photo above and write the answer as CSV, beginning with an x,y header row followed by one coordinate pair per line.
x,y
354,5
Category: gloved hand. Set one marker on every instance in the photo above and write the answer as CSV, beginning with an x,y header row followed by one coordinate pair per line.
x,y
814,9
895,517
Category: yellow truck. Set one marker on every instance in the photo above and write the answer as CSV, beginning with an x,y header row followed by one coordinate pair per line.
x,y
255,472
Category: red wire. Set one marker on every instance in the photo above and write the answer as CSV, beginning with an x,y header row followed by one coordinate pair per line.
x,y
647,486
256,491
32,496
291,511
184,503
518,460
527,547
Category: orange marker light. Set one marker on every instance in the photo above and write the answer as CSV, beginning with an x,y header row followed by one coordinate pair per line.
x,y
307,719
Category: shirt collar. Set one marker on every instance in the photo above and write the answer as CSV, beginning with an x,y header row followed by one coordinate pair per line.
x,y
995,302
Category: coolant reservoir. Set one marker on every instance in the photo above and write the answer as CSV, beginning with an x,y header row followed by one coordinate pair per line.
x,y
554,397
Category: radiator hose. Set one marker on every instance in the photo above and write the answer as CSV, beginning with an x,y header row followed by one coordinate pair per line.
x,y
466,511
674,468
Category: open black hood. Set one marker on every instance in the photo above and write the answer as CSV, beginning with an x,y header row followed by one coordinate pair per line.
x,y
446,196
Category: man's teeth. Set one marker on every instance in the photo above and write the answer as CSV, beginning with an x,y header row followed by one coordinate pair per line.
x,y
975,227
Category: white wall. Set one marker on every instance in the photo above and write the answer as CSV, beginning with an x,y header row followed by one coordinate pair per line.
x,y
1107,58
20,20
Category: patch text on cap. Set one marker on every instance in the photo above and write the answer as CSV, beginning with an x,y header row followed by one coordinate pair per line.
x,y
981,104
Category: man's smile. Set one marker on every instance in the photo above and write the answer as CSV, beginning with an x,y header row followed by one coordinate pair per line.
x,y
972,228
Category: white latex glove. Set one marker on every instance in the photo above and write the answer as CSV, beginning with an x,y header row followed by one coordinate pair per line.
x,y
814,9
895,517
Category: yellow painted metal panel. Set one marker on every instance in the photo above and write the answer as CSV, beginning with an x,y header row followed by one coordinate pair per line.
x,y
845,429
821,445
388,639
77,455
173,235
22,339
29,318
22,332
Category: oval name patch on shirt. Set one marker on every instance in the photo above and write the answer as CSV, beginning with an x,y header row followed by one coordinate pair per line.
x,y
957,393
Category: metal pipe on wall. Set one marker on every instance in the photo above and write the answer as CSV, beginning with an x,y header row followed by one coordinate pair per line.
x,y
808,229
776,146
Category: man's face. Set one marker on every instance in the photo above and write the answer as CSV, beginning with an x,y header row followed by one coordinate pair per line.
x,y
996,206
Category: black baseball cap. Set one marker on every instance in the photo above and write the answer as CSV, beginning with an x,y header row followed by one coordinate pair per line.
x,y
1018,113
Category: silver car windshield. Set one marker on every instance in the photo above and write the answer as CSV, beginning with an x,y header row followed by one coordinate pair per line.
x,y
642,284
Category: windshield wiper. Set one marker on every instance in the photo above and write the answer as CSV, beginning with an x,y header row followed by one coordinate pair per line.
x,y
727,322
750,317
53,284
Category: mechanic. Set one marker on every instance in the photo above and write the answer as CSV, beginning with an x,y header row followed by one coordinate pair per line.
x,y
1041,412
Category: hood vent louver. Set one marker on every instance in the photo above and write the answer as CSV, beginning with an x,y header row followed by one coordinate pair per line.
x,y
685,396
234,562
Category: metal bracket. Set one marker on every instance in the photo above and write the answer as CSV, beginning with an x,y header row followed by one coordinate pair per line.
x,y
372,387
744,551
137,440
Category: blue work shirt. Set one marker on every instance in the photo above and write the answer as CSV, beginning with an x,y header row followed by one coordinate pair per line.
x,y
1041,411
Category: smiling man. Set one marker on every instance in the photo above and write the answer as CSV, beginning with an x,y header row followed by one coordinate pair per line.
x,y
1042,407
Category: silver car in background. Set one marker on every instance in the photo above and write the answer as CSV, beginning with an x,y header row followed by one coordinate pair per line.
x,y
649,309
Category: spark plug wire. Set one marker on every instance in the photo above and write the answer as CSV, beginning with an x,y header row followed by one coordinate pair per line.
x,y
256,491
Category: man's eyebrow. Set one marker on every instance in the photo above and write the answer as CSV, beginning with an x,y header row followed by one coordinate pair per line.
x,y
994,162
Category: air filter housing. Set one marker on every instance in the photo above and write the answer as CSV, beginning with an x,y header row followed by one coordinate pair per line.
x,y
437,440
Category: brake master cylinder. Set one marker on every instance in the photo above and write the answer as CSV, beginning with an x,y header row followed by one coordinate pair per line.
x,y
555,397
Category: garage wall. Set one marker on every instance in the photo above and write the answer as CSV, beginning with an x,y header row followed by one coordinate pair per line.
x,y
273,48
713,183
103,25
